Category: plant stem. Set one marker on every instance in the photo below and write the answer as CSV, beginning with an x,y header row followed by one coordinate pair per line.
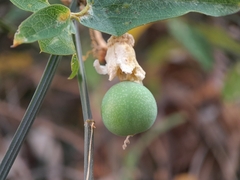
x,y
86,109
81,13
29,116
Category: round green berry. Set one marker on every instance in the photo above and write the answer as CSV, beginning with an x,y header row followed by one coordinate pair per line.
x,y
128,108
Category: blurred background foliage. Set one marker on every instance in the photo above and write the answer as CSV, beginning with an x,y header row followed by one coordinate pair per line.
x,y
193,70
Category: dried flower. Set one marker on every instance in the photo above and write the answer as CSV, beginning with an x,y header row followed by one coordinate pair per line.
x,y
121,60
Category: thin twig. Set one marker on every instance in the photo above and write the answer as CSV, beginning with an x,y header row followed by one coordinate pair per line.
x,y
99,45
64,134
86,109
90,123
29,117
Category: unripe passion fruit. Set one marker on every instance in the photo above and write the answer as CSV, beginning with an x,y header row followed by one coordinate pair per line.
x,y
128,108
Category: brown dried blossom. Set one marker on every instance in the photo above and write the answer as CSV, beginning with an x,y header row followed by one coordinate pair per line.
x,y
121,60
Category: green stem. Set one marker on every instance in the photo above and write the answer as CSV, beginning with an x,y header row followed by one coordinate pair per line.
x,y
86,109
81,13
82,81
29,116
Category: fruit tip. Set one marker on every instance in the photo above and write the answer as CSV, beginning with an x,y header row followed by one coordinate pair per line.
x,y
126,141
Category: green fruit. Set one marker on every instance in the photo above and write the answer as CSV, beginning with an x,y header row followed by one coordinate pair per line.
x,y
128,108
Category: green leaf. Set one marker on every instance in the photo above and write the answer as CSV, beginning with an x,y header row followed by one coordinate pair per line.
x,y
60,45
30,5
232,84
220,38
74,66
118,16
45,23
194,41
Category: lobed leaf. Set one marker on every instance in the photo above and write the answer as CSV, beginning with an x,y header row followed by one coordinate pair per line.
x,y
30,5
118,16
45,23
